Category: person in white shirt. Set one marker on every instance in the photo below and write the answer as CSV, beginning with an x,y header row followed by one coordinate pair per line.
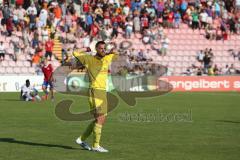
x,y
86,41
200,56
44,33
203,19
32,9
114,2
43,18
2,51
29,93
165,43
108,31
237,4
20,12
225,71
126,10
129,28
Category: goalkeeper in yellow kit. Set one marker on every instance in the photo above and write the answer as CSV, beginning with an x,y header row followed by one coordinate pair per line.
x,y
97,68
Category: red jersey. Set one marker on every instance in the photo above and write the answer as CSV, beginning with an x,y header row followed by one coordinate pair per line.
x,y
86,7
128,3
170,17
94,30
49,46
144,21
47,71
19,2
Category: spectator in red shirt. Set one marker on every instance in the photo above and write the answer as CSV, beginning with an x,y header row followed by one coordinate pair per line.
x,y
144,22
86,7
170,19
128,3
19,2
9,25
94,29
49,48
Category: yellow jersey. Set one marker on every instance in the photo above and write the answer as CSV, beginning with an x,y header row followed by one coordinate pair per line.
x,y
97,68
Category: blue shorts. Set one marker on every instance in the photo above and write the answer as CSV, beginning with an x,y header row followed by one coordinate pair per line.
x,y
46,84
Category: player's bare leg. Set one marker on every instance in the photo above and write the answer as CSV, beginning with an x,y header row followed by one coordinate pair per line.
x,y
46,93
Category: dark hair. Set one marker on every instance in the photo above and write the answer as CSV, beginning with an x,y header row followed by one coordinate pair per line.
x,y
99,43
27,81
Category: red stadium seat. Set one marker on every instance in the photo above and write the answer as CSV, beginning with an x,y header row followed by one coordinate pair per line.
x,y
26,64
16,70
31,70
9,70
19,63
2,70
24,70
12,64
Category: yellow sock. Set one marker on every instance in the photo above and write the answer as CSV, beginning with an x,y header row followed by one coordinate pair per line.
x,y
88,131
96,134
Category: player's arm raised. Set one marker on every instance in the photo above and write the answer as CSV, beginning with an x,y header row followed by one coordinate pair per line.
x,y
81,55
113,52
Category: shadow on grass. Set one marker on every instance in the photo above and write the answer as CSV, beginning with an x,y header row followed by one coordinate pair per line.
x,y
227,121
12,140
11,100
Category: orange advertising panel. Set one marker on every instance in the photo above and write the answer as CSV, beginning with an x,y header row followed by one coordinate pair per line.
x,y
200,83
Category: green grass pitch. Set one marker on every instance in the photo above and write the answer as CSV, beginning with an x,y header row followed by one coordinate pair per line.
x,y
211,130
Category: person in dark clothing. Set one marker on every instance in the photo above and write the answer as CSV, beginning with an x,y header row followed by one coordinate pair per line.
x,y
206,61
232,25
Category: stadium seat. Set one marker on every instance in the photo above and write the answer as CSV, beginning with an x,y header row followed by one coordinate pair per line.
x,y
172,58
185,64
166,58
171,64
2,39
16,70
24,70
15,39
177,71
178,64
217,59
186,58
4,63
9,70
7,57
18,34
230,59
28,57
183,69
179,58
26,64
192,58
8,39
164,63
12,63
9,51
19,63
225,59
2,70
31,70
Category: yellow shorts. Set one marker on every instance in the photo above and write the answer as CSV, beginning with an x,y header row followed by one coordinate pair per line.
x,y
98,101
